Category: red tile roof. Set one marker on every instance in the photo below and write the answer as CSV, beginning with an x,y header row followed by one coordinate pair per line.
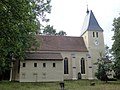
x,y
61,43
43,56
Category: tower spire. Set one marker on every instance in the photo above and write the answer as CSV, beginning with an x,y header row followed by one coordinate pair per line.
x,y
90,23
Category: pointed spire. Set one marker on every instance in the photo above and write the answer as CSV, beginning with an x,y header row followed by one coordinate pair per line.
x,y
90,23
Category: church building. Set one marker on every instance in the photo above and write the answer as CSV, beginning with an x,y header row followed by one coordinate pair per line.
x,y
63,57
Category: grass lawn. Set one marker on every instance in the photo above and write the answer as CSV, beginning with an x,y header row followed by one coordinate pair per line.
x,y
69,85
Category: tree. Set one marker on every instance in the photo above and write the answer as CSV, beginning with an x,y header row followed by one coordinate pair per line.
x,y
104,66
108,53
116,46
49,30
18,26
61,33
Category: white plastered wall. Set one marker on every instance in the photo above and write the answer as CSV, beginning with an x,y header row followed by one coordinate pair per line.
x,y
40,73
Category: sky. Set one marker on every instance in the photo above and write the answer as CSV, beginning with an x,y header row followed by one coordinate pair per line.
x,y
68,15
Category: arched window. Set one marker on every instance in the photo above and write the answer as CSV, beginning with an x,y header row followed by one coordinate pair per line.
x,y
96,34
66,65
82,65
93,34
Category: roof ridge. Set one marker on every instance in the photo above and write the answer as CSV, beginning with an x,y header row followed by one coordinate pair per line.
x,y
59,36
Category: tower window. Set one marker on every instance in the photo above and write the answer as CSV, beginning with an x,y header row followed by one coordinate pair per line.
x,y
66,66
35,64
24,64
93,34
54,64
44,64
82,66
96,34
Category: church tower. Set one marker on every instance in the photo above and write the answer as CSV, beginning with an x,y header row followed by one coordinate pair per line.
x,y
93,37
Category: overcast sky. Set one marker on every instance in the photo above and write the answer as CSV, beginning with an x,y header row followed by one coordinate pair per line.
x,y
68,15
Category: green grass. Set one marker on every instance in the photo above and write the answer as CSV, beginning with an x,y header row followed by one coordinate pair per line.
x,y
69,85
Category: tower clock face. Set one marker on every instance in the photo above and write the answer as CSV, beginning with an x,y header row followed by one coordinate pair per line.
x,y
96,42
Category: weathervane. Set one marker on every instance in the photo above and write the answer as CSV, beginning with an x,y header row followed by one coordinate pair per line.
x,y
87,9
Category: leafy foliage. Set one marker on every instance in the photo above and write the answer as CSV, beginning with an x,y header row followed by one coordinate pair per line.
x,y
18,26
102,70
116,46
49,30
104,67
61,33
